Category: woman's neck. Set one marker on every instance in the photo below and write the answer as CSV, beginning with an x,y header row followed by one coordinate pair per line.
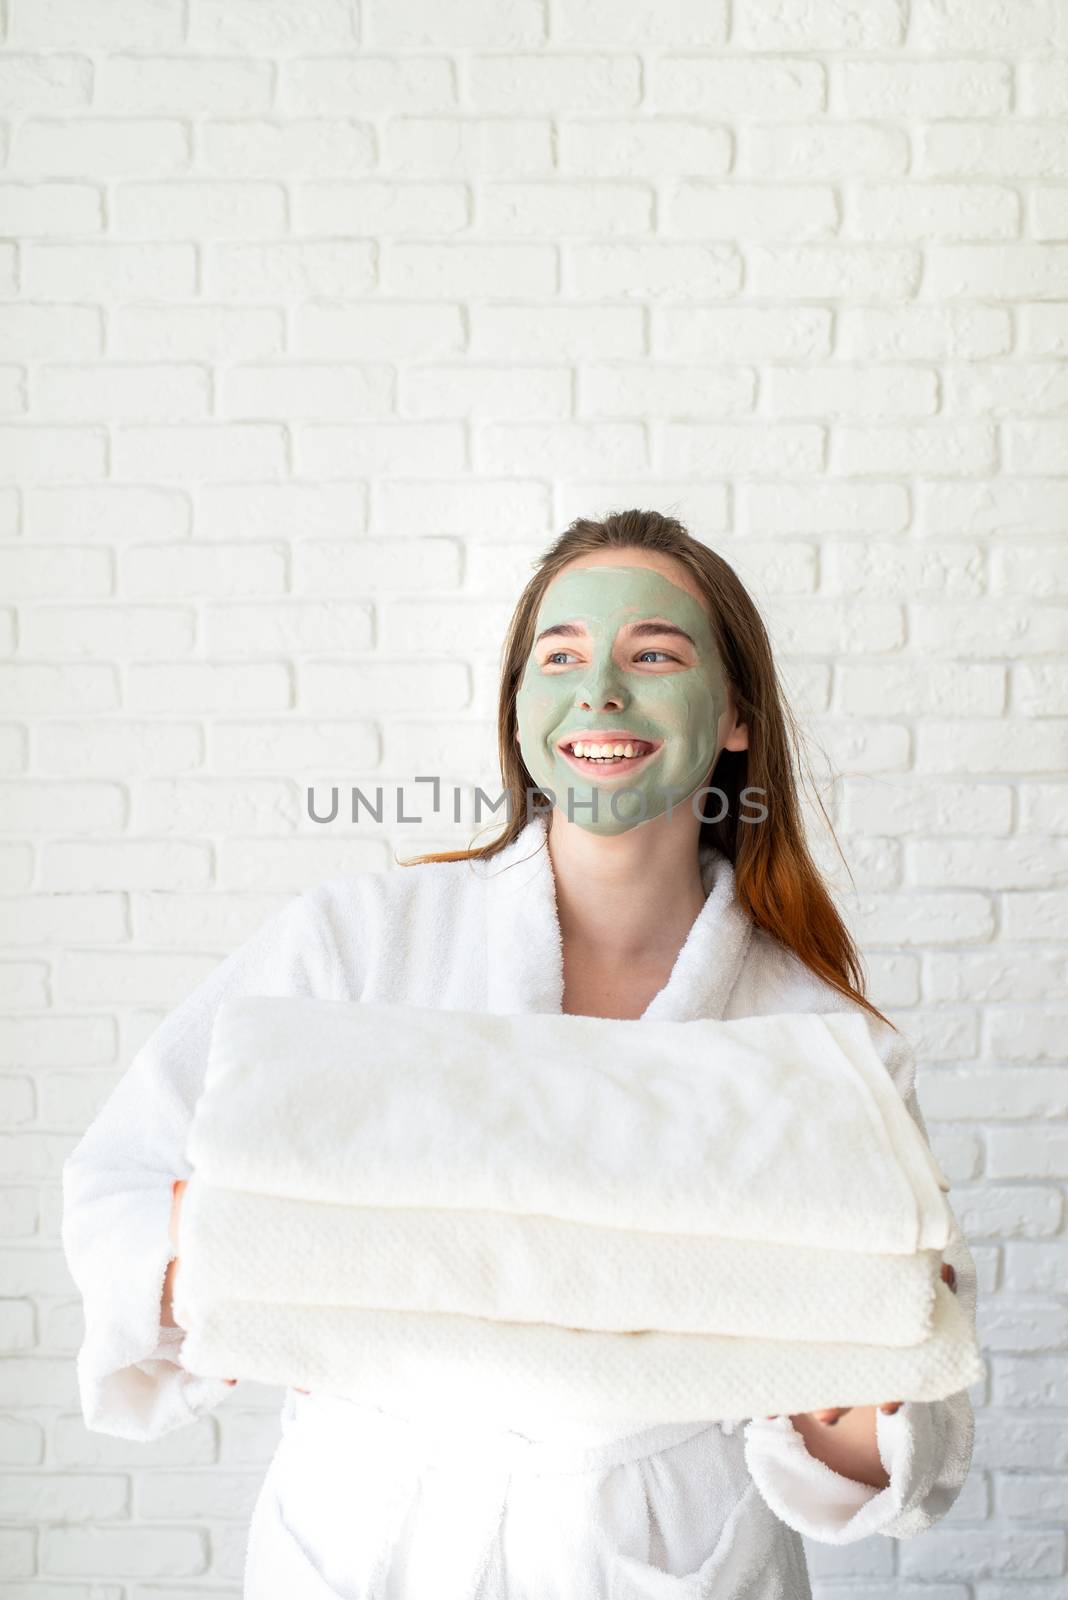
x,y
628,899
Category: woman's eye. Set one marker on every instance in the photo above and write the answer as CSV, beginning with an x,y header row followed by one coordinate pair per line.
x,y
552,660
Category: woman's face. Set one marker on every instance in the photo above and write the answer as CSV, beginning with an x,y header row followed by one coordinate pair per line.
x,y
621,655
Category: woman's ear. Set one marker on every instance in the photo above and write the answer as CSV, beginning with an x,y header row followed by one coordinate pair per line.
x,y
738,738
733,735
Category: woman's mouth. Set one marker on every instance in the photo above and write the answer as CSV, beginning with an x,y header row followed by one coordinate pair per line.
x,y
607,757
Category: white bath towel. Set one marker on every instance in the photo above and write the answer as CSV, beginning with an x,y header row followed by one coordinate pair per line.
x,y
481,1367
783,1129
236,1245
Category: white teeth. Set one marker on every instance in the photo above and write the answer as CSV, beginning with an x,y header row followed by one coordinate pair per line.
x,y
603,751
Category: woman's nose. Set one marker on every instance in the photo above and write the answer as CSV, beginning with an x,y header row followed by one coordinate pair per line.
x,y
589,701
602,688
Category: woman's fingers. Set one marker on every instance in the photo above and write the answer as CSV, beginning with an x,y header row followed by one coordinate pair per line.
x,y
828,1415
178,1187
831,1415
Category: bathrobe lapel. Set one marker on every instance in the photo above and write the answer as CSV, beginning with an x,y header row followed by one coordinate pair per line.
x,y
524,952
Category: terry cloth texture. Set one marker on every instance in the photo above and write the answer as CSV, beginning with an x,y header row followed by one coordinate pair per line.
x,y
494,1368
352,1499
242,1246
706,1130
784,1129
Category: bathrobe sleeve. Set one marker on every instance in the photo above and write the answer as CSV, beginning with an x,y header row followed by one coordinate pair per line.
x,y
117,1187
925,1446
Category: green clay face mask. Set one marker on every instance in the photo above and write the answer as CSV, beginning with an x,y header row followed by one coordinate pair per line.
x,y
660,689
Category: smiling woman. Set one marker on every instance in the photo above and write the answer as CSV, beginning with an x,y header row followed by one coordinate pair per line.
x,y
631,626
638,679
622,896
676,706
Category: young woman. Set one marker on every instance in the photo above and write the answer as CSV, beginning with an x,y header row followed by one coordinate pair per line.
x,y
686,897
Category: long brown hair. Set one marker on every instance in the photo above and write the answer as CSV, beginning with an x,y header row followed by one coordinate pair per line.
x,y
776,881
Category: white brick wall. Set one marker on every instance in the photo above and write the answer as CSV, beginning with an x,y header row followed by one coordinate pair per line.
x,y
318,319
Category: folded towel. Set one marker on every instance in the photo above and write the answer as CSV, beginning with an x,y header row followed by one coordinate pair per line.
x,y
241,1246
486,1368
785,1129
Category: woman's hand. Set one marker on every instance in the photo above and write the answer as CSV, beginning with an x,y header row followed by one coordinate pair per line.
x,y
178,1188
829,1415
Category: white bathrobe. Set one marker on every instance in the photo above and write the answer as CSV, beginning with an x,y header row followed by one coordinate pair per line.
x,y
361,1502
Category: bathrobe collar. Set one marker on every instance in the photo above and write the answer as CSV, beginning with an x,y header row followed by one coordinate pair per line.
x,y
524,951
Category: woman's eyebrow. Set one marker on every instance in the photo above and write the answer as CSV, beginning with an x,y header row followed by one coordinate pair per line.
x,y
644,629
566,630
571,630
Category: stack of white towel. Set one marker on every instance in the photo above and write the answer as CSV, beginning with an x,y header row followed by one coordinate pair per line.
x,y
593,1218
